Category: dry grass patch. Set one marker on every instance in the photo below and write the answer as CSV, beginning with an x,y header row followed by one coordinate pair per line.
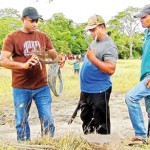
x,y
66,142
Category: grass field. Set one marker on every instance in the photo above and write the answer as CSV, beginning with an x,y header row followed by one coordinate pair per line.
x,y
126,76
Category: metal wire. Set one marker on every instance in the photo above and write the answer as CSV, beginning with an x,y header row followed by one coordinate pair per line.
x,y
54,74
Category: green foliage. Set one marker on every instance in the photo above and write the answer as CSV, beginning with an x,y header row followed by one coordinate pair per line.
x,y
8,25
9,21
9,13
125,31
68,37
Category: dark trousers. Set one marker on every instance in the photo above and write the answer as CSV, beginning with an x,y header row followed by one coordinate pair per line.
x,y
95,112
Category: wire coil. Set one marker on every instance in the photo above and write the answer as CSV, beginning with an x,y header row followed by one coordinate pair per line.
x,y
54,74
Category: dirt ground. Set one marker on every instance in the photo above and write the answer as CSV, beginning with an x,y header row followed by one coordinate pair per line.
x,y
62,110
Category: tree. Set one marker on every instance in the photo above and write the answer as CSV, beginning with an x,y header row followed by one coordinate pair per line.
x,y
9,13
9,21
67,36
126,26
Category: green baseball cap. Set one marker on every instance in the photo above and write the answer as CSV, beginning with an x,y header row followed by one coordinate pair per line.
x,y
31,12
94,21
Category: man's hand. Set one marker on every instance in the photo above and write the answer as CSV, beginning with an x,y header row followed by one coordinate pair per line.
x,y
31,62
61,60
148,83
107,67
91,54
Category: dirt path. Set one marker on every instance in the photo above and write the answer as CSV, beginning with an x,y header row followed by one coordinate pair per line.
x,y
62,110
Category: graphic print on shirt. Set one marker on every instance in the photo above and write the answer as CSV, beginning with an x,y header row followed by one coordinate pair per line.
x,y
30,47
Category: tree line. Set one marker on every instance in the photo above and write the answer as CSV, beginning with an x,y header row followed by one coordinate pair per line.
x,y
70,37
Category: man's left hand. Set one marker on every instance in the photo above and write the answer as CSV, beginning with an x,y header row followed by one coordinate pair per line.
x,y
91,54
61,60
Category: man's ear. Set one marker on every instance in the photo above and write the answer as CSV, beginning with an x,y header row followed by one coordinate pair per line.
x,y
22,19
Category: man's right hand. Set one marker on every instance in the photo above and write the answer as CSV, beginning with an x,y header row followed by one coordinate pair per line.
x,y
31,62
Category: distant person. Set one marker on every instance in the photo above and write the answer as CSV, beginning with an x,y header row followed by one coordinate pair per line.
x,y
142,89
29,80
98,66
76,65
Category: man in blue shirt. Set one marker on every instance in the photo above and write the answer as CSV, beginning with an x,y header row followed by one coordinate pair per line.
x,y
142,89
99,64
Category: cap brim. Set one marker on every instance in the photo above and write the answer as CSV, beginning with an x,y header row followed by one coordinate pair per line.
x,y
36,17
90,27
140,15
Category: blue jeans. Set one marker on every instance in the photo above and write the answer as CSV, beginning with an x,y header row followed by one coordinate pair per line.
x,y
22,103
132,99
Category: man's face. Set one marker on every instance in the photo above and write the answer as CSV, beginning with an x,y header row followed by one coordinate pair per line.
x,y
30,25
145,21
96,32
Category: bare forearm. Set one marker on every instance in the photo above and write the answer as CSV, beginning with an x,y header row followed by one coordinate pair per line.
x,y
9,64
105,66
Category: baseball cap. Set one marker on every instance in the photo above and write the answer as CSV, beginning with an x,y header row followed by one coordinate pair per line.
x,y
94,21
31,12
144,11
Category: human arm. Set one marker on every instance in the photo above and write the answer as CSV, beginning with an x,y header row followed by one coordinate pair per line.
x,y
107,67
10,64
61,60
51,56
60,57
54,55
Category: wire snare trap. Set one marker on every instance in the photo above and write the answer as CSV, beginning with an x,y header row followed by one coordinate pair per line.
x,y
54,73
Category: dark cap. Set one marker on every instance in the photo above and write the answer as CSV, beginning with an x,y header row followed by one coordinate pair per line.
x,y
94,21
31,12
144,11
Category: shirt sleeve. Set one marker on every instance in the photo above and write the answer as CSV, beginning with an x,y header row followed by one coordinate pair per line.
x,y
8,44
111,54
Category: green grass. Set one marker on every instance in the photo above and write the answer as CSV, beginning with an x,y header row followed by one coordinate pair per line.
x,y
126,76
5,87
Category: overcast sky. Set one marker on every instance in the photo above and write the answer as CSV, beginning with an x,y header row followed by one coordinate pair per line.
x,y
77,10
